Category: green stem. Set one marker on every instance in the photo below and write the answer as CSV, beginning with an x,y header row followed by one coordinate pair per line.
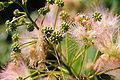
x,y
44,16
39,76
84,55
27,13
66,46
31,18
10,2
31,74
34,41
70,69
18,18
96,55
28,38
99,73
56,18
37,17
43,20
61,54
76,57
56,54
27,44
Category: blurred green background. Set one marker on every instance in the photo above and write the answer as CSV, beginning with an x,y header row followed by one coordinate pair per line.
x,y
33,5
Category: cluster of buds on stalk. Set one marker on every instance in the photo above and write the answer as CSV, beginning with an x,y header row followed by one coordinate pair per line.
x,y
54,37
83,19
18,20
49,38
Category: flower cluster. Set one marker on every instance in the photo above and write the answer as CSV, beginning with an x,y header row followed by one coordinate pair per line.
x,y
54,37
18,20
103,26
49,47
44,10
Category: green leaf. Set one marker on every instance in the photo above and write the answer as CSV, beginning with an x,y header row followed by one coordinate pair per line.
x,y
71,50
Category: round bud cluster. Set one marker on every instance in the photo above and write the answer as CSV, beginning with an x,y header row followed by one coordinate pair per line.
x,y
83,19
16,21
56,37
64,15
44,10
11,26
3,5
16,12
16,47
15,37
14,56
30,27
65,26
20,78
51,1
6,4
47,31
59,3
97,16
21,20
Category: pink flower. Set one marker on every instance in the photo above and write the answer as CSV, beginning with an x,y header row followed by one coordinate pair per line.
x,y
15,70
105,30
78,31
50,18
107,62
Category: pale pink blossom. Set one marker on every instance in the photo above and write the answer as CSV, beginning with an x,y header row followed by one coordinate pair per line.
x,y
78,31
107,62
50,18
105,30
15,70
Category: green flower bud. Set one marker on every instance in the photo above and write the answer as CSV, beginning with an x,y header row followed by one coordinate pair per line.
x,y
6,4
7,22
30,27
11,26
56,37
59,3
1,5
65,26
16,12
15,37
83,17
14,56
20,78
64,15
22,21
44,10
97,16
47,31
16,47
50,1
